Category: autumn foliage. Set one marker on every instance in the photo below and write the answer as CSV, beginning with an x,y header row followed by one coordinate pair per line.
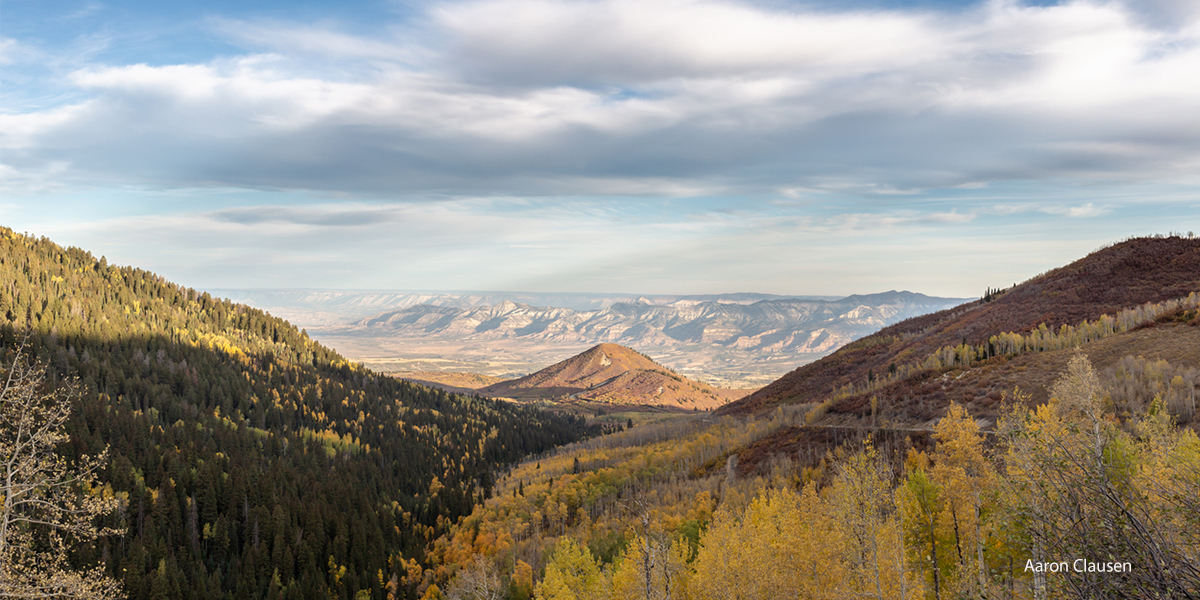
x,y
965,518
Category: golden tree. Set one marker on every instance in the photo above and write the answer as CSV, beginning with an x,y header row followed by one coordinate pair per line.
x,y
783,545
651,568
1081,487
47,505
572,574
863,509
965,477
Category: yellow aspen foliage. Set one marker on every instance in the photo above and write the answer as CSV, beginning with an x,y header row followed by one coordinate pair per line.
x,y
781,545
732,564
522,580
966,478
572,574
1169,478
652,568
869,535
413,573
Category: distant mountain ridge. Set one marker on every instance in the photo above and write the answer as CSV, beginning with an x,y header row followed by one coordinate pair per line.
x,y
363,303
612,374
766,325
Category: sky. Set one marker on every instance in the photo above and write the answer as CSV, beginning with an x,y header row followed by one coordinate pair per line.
x,y
632,146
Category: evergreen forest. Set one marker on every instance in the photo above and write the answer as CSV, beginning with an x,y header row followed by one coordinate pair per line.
x,y
247,460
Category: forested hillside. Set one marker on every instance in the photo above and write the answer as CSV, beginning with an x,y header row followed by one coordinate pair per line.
x,y
1060,500
1119,277
250,461
949,457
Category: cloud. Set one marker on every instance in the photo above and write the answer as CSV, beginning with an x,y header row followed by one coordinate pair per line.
x,y
290,39
1166,14
890,221
7,47
1082,211
668,98
331,216
619,42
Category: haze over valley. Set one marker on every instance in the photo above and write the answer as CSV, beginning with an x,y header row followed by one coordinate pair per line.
x,y
742,340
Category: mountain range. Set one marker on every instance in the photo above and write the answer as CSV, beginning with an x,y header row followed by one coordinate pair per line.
x,y
357,304
783,325
739,340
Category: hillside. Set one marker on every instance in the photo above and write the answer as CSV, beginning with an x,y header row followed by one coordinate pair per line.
x,y
611,374
457,383
250,461
721,494
1118,277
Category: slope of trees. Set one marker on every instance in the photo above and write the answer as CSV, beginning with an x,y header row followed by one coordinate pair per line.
x,y
1130,273
1062,500
638,499
247,460
1040,339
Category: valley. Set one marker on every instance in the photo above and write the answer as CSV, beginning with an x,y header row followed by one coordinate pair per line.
x,y
241,451
731,340
871,477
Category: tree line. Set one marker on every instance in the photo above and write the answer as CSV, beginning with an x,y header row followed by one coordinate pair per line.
x,y
1009,344
1061,500
245,459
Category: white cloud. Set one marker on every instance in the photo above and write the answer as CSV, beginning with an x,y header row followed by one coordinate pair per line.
x,y
308,40
670,97
7,47
1066,209
625,41
1086,210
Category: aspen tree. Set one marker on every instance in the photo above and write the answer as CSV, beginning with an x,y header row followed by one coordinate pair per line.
x,y
572,574
920,500
862,505
766,550
1080,486
46,505
966,477
651,569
